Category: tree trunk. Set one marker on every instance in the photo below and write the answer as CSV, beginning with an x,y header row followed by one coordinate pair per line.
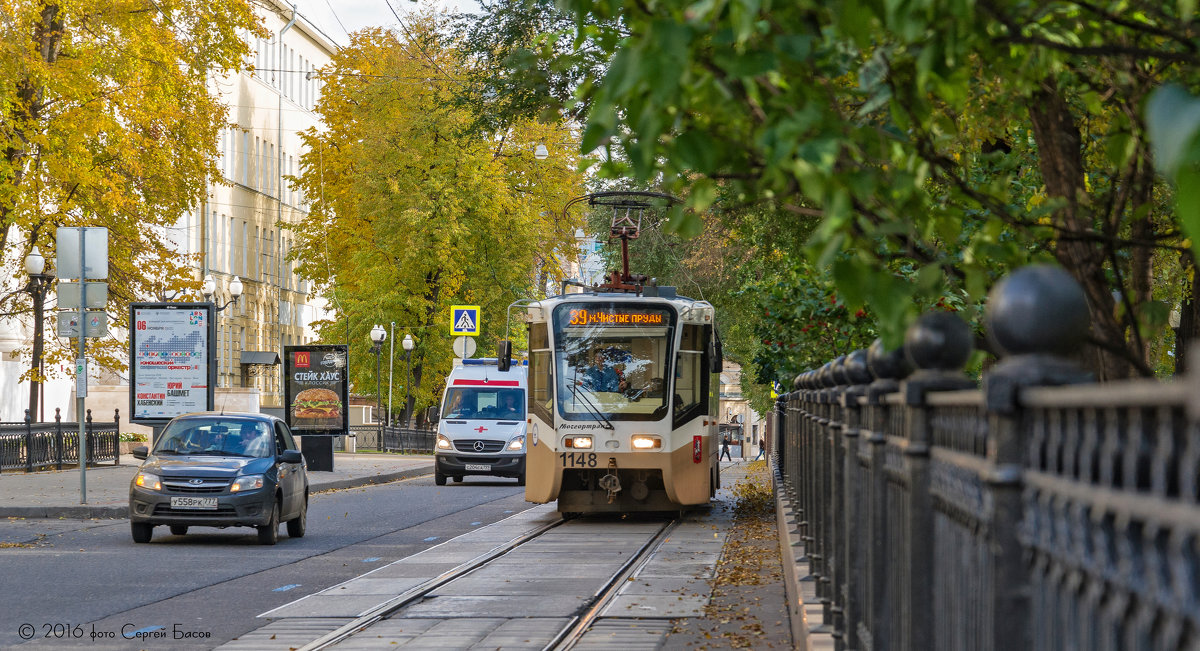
x,y
1189,318
1141,259
1060,160
47,36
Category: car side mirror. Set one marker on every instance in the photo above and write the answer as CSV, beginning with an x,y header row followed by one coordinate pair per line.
x,y
504,355
140,452
291,456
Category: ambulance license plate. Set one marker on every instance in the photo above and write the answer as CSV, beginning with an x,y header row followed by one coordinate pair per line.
x,y
478,467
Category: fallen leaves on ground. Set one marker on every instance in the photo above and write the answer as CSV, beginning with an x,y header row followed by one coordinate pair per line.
x,y
750,558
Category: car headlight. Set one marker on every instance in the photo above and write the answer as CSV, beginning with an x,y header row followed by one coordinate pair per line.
x,y
444,443
518,443
246,483
148,481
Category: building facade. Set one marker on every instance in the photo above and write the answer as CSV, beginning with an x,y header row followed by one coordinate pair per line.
x,y
744,425
234,231
238,230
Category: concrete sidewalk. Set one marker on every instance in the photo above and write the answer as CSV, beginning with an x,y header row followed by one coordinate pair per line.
x,y
56,494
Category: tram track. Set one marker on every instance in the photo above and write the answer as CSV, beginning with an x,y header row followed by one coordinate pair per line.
x,y
398,603
567,637
579,625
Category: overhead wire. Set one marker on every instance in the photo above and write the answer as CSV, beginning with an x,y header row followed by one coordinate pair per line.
x,y
337,18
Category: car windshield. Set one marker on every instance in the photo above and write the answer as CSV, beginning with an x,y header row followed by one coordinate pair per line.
x,y
488,403
216,437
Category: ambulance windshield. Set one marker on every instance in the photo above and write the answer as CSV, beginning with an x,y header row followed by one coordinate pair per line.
x,y
484,403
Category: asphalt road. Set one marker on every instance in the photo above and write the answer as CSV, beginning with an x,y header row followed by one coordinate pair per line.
x,y
67,580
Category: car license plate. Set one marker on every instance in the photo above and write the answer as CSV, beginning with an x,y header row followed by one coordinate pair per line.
x,y
478,467
194,503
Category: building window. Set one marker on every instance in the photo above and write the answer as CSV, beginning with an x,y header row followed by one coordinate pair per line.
x,y
245,157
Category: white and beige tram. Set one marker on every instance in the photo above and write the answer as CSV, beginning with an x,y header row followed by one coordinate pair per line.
x,y
623,394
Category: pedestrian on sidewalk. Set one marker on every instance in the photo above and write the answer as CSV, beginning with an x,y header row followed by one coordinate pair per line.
x,y
761,443
725,448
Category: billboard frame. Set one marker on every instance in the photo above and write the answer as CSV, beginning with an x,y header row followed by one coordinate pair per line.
x,y
210,333
289,367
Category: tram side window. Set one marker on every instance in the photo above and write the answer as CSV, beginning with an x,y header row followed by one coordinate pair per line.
x,y
691,375
541,359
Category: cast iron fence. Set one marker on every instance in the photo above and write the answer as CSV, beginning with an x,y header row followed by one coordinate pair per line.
x,y
30,446
388,438
1038,511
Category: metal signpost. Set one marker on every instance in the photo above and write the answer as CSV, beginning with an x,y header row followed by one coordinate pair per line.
x,y
464,325
464,320
83,255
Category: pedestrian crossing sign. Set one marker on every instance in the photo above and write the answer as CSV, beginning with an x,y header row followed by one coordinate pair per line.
x,y
464,320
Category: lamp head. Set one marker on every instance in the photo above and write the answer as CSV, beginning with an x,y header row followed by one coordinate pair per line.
x,y
235,287
541,152
209,287
34,262
407,343
378,334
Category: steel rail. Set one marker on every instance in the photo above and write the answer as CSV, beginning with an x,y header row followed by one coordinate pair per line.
x,y
420,591
570,635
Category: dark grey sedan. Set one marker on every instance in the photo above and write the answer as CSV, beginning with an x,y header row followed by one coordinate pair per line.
x,y
221,470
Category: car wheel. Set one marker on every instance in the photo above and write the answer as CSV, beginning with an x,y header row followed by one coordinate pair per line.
x,y
268,534
142,531
296,526
521,479
458,479
438,477
179,529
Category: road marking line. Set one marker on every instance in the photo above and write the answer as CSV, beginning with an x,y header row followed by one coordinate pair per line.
x,y
286,587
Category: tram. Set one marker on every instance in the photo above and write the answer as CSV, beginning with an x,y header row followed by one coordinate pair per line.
x,y
623,390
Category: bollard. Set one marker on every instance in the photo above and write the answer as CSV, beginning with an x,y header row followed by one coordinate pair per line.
x,y
28,441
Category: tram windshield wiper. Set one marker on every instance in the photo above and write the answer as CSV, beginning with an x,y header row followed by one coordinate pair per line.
x,y
590,406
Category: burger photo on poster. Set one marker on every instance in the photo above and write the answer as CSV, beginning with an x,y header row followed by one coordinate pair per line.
x,y
317,404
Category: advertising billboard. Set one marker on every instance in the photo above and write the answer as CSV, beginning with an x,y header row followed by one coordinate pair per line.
x,y
316,389
172,360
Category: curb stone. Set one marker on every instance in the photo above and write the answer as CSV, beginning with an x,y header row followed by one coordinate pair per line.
x,y
805,616
118,512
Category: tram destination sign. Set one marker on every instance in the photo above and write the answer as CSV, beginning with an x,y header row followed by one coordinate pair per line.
x,y
172,360
616,316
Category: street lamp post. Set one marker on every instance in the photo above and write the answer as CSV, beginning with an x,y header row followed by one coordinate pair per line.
x,y
378,334
408,346
208,289
39,284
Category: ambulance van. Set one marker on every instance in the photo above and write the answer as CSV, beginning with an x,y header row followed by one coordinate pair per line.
x,y
481,430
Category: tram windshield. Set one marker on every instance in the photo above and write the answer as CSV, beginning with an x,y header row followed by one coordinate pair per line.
x,y
612,360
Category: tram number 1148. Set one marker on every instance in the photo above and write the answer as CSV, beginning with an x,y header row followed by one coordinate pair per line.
x,y
578,459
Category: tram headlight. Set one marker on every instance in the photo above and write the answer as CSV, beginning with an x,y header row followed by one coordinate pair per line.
x,y
444,443
578,442
645,442
517,444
